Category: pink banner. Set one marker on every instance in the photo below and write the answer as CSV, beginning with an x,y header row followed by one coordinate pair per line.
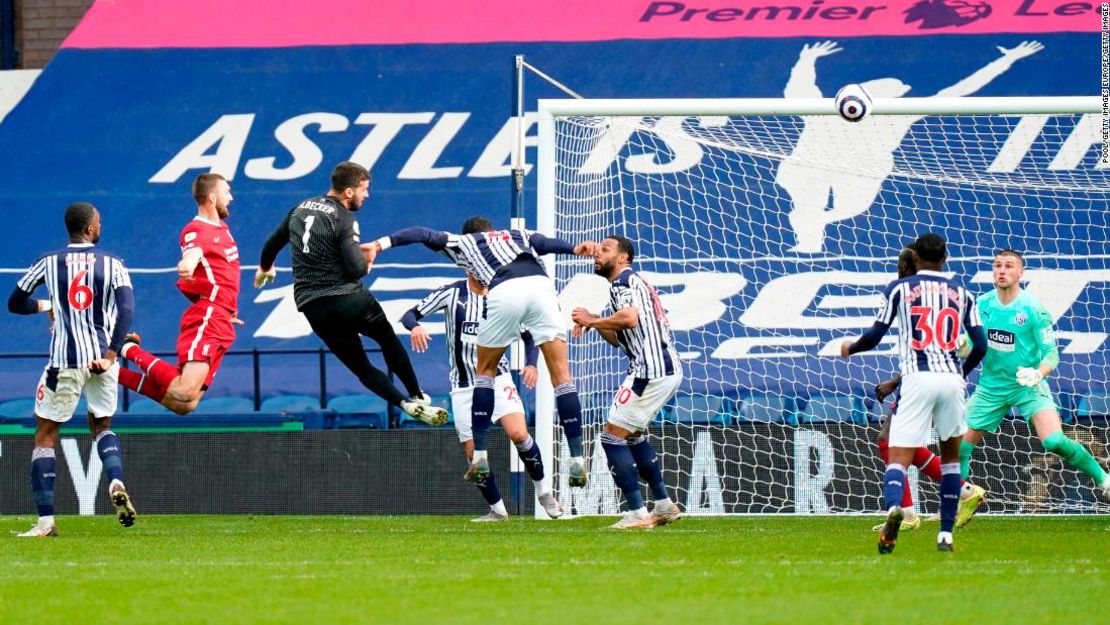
x,y
281,23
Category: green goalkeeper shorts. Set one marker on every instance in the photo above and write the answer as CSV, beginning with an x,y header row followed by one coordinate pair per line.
x,y
986,409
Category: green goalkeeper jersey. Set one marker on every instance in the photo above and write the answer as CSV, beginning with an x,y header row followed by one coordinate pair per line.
x,y
1019,334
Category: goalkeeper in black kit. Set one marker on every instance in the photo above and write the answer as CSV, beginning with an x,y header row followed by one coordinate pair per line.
x,y
328,267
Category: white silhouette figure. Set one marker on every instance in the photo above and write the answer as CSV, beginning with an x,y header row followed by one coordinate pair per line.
x,y
851,161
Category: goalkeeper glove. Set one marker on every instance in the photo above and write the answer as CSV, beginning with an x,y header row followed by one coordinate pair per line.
x,y
262,278
964,348
1027,376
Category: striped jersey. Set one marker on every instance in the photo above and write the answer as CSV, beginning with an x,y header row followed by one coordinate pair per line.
x,y
216,278
649,345
491,257
82,281
462,310
932,311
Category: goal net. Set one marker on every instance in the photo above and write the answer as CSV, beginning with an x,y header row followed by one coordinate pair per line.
x,y
770,228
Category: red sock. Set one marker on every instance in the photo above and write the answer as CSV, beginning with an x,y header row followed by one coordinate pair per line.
x,y
142,384
157,370
928,463
884,452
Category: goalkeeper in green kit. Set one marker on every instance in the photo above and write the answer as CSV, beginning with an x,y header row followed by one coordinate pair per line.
x,y
1021,353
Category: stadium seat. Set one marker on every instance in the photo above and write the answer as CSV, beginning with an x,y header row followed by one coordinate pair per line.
x,y
146,406
831,408
701,410
360,411
767,409
18,409
225,406
291,404
1094,406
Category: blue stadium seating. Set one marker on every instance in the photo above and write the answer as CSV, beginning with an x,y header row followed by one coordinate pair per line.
x,y
701,410
832,408
18,409
767,409
360,411
291,404
146,406
226,406
1093,407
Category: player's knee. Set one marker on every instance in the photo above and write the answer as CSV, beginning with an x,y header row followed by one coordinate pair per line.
x,y
1057,443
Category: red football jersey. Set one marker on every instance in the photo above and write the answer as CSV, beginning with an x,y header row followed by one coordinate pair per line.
x,y
216,277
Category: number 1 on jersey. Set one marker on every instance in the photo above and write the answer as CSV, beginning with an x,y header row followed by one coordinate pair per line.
x,y
307,231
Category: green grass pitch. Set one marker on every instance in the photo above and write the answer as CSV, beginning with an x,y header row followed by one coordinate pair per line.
x,y
337,570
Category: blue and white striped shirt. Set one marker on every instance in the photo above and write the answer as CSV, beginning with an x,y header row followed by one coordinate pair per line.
x,y
462,311
932,311
491,257
649,345
90,292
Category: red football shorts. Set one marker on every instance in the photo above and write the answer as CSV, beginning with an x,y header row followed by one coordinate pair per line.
x,y
206,335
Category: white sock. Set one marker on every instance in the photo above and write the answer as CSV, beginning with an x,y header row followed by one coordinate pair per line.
x,y
46,521
539,486
480,455
944,537
499,508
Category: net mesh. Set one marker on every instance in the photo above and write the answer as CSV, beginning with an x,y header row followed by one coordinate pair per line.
x,y
770,240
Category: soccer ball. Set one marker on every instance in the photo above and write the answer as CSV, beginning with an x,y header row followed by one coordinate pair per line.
x,y
853,103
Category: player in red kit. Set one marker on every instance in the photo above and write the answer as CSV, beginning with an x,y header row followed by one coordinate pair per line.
x,y
209,278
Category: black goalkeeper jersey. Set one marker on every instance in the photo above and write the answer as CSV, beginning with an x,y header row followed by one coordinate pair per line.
x,y
323,237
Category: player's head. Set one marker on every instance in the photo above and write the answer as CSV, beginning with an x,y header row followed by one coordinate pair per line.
x,y
83,223
477,224
907,262
886,88
931,251
614,254
213,190
1008,268
350,183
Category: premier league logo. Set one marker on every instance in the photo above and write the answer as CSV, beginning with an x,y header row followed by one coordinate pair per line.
x,y
1020,319
941,13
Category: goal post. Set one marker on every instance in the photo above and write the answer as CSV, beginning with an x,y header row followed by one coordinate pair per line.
x,y
770,227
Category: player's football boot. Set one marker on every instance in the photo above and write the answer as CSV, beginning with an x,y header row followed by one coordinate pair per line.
x,y
632,520
550,505
40,531
1106,489
491,517
944,541
888,536
969,505
662,515
908,523
579,477
478,471
432,415
423,399
125,512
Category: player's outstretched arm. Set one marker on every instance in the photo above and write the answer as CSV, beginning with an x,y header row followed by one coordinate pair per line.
x,y
803,76
867,342
278,239
992,70
544,244
436,240
418,334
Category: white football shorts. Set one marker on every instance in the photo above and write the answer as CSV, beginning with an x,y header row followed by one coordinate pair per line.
x,y
59,390
638,401
506,400
530,302
929,399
